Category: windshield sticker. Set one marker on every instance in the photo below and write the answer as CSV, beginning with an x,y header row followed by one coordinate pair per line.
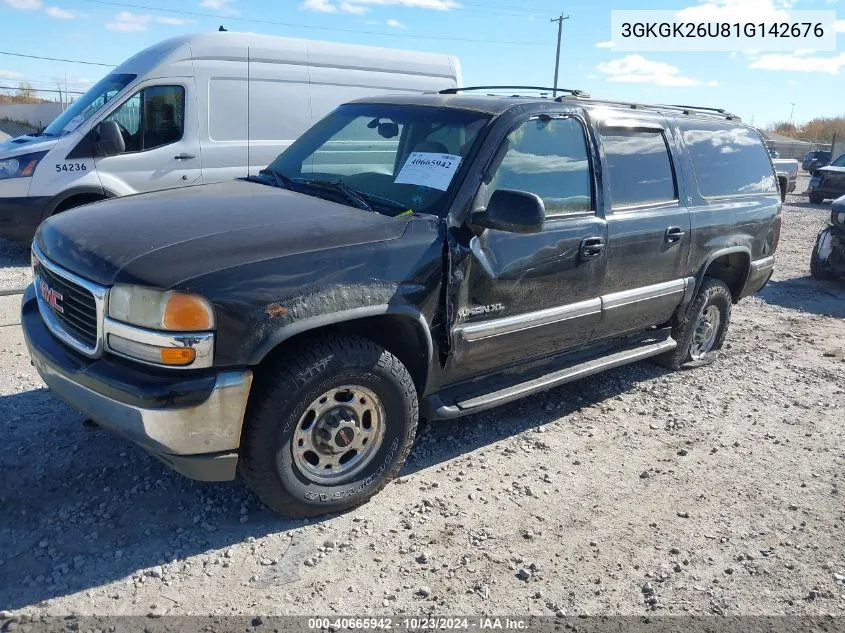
x,y
74,123
434,171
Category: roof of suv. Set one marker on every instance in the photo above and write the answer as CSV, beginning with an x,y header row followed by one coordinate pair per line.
x,y
497,104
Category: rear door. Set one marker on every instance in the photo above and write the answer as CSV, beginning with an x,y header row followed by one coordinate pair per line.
x,y
524,296
160,130
648,225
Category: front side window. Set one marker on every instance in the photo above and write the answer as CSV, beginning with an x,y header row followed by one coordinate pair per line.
x,y
398,158
151,118
728,160
639,167
83,108
547,157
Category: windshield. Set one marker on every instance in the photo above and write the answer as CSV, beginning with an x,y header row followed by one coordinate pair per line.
x,y
83,108
398,158
839,162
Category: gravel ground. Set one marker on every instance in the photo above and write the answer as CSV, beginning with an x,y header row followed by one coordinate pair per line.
x,y
713,491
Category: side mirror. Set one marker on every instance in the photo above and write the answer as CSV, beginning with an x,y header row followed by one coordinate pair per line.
x,y
111,141
512,211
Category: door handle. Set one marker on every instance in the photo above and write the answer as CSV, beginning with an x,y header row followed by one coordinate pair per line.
x,y
674,234
184,156
592,247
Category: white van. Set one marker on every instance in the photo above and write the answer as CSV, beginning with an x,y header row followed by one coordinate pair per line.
x,y
195,109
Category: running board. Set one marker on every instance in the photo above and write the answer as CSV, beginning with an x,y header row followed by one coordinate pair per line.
x,y
654,346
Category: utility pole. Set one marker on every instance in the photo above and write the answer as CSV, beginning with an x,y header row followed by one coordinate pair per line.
x,y
557,57
792,114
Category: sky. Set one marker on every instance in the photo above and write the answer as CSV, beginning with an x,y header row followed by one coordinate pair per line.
x,y
497,41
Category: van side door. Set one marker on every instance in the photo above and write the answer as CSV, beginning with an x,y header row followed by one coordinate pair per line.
x,y
648,225
524,296
159,126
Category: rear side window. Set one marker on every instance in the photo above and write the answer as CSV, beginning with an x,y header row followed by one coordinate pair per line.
x,y
728,160
639,167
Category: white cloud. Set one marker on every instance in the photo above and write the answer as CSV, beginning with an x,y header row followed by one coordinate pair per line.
x,y
754,11
359,7
59,14
839,26
607,44
24,5
221,6
636,69
173,21
128,22
786,62
10,74
395,24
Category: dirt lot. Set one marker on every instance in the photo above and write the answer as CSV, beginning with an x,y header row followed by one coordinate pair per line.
x,y
713,491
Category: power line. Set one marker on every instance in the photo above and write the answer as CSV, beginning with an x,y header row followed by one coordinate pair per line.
x,y
56,59
127,5
28,88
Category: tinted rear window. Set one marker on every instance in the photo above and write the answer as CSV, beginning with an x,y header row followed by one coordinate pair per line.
x,y
728,160
639,167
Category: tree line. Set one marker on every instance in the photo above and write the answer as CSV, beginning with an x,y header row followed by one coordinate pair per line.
x,y
820,129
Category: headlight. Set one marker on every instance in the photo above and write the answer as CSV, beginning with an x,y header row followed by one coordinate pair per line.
x,y
160,310
21,166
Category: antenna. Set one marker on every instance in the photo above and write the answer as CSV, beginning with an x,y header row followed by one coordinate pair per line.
x,y
248,164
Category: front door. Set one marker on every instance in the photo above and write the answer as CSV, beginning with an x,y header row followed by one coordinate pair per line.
x,y
648,227
524,296
159,130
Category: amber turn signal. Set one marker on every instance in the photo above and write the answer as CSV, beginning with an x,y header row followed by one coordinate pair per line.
x,y
178,356
187,313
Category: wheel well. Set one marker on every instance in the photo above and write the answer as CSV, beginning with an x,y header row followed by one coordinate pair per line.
x,y
400,335
732,269
77,201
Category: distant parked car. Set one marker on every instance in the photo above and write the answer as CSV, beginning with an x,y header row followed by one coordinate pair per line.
x,y
816,160
828,259
828,182
787,173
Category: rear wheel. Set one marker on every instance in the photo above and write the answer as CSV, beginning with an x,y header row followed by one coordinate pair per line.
x,y
701,333
328,426
818,264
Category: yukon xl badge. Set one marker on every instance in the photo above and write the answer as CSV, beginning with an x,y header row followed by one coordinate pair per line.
x,y
465,313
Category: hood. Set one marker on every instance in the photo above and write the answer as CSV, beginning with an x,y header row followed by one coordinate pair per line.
x,y
26,145
830,169
164,238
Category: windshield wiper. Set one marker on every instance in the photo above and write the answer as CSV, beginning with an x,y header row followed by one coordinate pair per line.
x,y
338,185
371,197
282,181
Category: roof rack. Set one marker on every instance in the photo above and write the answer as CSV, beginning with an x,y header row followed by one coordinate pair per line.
x,y
659,106
454,91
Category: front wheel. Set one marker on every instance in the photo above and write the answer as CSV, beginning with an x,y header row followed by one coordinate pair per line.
x,y
819,258
328,427
701,333
816,198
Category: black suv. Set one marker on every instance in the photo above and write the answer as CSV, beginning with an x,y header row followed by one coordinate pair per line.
x,y
409,256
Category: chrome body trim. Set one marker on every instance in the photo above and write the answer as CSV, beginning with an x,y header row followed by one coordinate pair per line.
x,y
509,325
55,326
645,293
211,427
201,342
763,264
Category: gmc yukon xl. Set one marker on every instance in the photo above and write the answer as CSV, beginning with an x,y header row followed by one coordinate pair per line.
x,y
409,256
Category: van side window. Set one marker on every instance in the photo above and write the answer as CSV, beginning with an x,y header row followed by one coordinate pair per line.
x,y
728,160
639,167
151,118
547,157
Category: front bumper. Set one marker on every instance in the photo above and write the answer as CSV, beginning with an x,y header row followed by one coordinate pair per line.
x,y
192,422
20,217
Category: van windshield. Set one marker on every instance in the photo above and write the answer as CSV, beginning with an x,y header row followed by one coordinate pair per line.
x,y
83,108
397,158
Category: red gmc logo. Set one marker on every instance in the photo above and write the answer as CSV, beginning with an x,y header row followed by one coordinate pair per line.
x,y
51,296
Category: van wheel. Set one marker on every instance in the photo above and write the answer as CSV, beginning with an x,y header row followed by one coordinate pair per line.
x,y
701,333
328,426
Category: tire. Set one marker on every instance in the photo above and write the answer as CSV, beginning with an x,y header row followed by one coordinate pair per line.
x,y
817,268
714,297
783,185
288,407
816,198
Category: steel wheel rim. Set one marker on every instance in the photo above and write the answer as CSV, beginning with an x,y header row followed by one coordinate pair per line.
x,y
706,331
338,434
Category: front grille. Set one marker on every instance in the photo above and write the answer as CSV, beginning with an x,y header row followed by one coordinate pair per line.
x,y
77,311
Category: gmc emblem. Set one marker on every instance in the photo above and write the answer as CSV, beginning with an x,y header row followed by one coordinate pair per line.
x,y
51,296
